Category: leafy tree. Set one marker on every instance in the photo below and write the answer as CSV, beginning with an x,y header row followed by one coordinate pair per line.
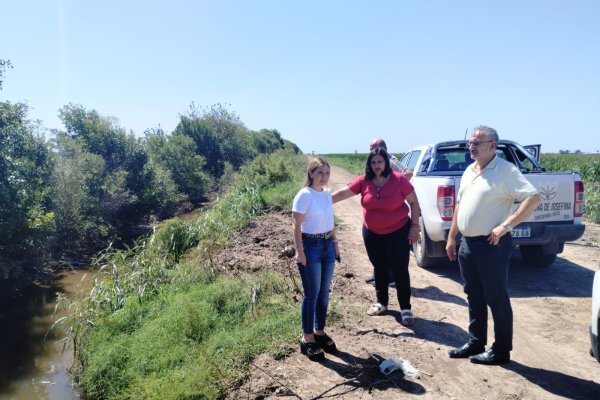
x,y
267,141
178,155
76,189
220,137
233,136
125,174
291,146
206,141
25,219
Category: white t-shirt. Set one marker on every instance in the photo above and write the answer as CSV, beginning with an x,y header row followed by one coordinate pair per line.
x,y
317,208
486,198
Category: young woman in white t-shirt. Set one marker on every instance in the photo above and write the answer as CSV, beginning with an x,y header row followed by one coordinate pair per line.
x,y
316,252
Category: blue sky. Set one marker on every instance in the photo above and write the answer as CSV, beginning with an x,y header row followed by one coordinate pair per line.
x,y
329,75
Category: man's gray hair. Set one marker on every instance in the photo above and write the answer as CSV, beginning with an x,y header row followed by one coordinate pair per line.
x,y
490,132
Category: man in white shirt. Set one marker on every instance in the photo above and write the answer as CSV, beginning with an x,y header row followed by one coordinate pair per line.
x,y
488,189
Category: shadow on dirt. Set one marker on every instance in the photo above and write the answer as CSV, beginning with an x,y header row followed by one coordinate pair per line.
x,y
363,373
561,279
434,293
434,331
557,383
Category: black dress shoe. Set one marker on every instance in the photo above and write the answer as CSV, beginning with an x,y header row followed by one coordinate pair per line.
x,y
491,357
466,350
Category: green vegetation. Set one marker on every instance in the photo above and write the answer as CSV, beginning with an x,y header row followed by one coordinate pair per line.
x,y
588,166
354,163
26,221
162,322
195,340
94,184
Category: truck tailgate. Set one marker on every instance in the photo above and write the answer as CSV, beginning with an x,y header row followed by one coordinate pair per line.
x,y
557,194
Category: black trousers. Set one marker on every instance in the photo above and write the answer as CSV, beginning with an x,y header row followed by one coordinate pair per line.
x,y
484,270
390,252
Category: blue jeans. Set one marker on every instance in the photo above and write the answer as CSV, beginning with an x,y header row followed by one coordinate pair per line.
x,y
484,270
316,278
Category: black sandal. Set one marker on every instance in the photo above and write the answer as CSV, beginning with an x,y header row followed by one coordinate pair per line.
x,y
312,351
326,343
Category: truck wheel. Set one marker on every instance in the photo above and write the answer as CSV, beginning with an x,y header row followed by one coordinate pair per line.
x,y
420,248
534,255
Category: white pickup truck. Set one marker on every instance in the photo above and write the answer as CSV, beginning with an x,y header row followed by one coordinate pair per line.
x,y
437,172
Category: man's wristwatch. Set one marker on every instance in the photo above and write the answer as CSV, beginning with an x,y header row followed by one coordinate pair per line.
x,y
507,226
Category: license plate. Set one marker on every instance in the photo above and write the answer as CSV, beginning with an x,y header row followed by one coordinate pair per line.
x,y
521,232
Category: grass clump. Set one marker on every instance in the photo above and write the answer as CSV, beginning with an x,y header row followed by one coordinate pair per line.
x,y
195,340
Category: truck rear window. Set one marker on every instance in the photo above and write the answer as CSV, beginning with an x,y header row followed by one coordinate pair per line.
x,y
456,159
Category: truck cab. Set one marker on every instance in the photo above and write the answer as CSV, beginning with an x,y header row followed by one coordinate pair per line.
x,y
438,169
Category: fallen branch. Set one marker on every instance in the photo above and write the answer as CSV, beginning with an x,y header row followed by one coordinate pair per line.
x,y
321,395
277,380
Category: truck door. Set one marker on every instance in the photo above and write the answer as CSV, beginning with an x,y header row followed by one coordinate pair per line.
x,y
534,150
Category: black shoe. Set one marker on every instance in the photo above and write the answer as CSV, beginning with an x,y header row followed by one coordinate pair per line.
x,y
370,279
491,357
312,351
466,350
326,343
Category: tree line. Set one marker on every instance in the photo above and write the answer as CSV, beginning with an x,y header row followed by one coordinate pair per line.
x,y
77,190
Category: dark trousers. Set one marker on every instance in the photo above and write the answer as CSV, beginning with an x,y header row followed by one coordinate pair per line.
x,y
390,252
484,270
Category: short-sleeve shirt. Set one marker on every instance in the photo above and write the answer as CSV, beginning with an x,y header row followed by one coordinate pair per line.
x,y
486,198
317,208
384,208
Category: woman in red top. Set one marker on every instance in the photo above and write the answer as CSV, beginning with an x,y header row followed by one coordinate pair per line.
x,y
388,231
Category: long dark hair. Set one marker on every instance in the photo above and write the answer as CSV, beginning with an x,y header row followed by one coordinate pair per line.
x,y
380,151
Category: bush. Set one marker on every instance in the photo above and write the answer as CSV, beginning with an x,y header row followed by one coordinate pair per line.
x,y
176,238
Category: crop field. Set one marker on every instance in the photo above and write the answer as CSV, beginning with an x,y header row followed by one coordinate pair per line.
x,y
587,165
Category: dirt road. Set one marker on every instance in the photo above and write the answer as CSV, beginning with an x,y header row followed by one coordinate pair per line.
x,y
551,342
